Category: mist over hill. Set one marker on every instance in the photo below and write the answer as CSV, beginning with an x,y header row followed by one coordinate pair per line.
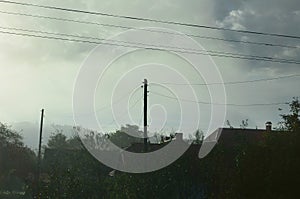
x,y
30,132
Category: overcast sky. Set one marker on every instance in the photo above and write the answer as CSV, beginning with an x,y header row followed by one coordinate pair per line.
x,y
40,73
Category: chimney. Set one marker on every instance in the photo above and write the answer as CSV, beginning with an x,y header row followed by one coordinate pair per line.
x,y
268,126
179,136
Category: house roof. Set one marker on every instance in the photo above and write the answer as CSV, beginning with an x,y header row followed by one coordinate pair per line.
x,y
230,137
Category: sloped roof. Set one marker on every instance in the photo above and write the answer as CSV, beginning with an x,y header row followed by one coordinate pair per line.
x,y
230,137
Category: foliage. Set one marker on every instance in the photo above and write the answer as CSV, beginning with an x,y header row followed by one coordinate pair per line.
x,y
229,124
9,137
58,140
17,162
268,168
291,121
198,137
126,136
244,124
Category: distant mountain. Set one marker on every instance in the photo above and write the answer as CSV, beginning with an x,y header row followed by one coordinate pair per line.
x,y
30,132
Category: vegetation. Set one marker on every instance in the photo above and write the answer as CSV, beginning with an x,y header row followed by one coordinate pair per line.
x,y
17,164
265,169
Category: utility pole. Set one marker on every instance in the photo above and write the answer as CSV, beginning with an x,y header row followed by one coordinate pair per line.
x,y
39,155
145,114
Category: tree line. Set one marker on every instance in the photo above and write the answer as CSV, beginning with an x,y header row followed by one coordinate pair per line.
x,y
266,169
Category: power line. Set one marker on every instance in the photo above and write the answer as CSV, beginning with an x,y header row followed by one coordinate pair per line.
x,y
116,102
152,30
149,19
110,105
209,103
103,107
66,20
121,115
129,108
215,53
226,55
139,43
233,82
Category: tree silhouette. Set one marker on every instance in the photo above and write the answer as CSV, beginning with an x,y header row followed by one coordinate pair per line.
x,y
291,121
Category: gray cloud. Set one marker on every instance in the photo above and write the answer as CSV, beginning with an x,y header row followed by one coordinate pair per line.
x,y
39,73
264,16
